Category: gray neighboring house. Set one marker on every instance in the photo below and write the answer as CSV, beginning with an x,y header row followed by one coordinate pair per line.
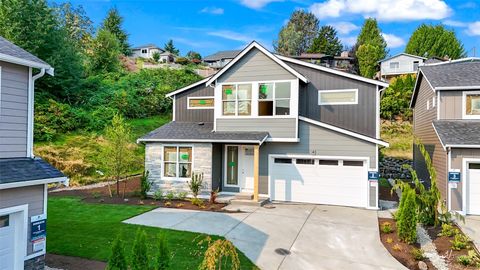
x,y
272,127
446,117
23,177
147,51
220,59
400,64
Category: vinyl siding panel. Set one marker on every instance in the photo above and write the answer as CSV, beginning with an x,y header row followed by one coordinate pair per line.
x,y
318,141
255,66
457,155
277,127
13,110
360,118
450,105
183,114
423,129
32,195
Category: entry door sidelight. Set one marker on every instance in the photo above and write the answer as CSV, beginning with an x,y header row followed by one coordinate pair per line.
x,y
232,165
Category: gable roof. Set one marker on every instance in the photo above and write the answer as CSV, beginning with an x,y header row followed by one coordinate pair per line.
x,y
222,55
187,87
397,55
333,71
149,45
458,133
251,46
11,53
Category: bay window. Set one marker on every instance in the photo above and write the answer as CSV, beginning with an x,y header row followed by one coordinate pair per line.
x,y
177,161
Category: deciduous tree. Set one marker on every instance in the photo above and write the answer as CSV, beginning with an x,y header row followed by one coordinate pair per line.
x,y
297,36
370,48
435,40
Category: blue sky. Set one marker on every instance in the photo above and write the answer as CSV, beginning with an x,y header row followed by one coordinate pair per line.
x,y
210,26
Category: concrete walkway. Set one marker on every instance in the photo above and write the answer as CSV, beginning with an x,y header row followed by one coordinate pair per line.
x,y
317,236
471,227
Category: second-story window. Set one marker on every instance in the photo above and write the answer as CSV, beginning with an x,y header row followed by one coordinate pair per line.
x,y
472,104
274,99
144,50
237,99
394,65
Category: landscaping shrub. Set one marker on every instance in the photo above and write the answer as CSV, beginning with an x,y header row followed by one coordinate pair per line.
x,y
460,241
196,183
448,230
417,254
158,195
396,98
52,118
196,201
387,227
170,195
145,185
471,259
163,254
407,221
220,254
182,195
117,260
213,196
139,252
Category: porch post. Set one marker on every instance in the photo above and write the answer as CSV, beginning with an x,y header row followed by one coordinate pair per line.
x,y
256,158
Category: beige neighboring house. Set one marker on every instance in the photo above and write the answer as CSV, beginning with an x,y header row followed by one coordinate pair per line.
x,y
400,64
446,117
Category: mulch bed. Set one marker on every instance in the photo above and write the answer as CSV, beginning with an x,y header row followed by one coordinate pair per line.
x,y
72,263
399,249
131,190
384,193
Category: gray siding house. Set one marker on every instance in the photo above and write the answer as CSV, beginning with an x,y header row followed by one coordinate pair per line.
x,y
273,127
446,117
400,64
23,177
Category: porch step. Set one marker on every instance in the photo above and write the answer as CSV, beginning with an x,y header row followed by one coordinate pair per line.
x,y
261,202
244,196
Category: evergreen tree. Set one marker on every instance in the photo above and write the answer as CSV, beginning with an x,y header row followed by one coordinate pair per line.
x,y
371,47
78,25
163,254
105,53
408,219
169,47
326,42
117,260
113,24
139,252
435,40
297,36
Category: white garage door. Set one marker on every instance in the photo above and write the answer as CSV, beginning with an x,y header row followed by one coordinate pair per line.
x,y
7,242
473,174
319,180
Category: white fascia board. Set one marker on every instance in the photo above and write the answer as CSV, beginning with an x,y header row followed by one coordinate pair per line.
x,y
463,145
333,71
187,87
252,45
23,62
475,87
202,140
344,131
397,55
438,136
34,182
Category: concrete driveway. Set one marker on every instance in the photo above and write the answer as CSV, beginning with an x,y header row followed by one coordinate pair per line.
x,y
316,236
471,227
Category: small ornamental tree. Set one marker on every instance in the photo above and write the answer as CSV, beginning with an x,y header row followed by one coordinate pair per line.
x,y
156,56
163,254
220,254
408,218
117,260
145,185
139,252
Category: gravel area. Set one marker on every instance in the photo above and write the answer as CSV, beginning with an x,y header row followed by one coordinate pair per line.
x,y
50,268
429,249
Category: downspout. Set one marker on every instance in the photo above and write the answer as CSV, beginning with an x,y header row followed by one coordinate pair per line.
x,y
31,101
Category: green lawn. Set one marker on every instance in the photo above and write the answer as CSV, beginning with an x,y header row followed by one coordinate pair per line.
x,y
88,230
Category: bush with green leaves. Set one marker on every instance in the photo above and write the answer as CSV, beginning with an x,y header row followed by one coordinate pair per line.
x,y
170,195
158,195
460,241
386,227
196,184
145,185
396,98
448,230
471,259
52,118
139,251
417,254
117,260
163,255
407,221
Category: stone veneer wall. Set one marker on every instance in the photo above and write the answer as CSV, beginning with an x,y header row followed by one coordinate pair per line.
x,y
202,162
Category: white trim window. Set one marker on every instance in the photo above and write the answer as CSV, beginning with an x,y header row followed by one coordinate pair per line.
x,y
144,51
177,161
237,99
338,97
471,105
274,98
200,103
394,65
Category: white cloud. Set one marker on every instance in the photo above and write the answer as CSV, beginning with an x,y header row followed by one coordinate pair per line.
x,y
393,41
257,4
474,29
344,27
455,23
349,41
231,35
212,10
384,10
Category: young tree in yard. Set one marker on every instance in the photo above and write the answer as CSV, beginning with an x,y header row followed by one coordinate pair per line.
x,y
105,54
396,98
156,56
370,48
139,251
113,24
191,55
297,36
326,42
163,253
169,47
407,220
117,260
220,254
435,40
118,152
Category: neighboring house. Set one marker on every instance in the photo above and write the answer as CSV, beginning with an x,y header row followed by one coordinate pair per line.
x,y
23,177
146,51
446,115
166,57
276,127
220,59
341,62
400,64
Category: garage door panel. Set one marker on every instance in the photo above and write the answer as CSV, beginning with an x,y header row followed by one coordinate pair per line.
x,y
474,191
322,184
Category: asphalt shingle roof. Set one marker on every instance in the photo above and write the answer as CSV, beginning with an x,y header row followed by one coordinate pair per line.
x,y
200,131
8,48
222,55
458,132
453,74
26,169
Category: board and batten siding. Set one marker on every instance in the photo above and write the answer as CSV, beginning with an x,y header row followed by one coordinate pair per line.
x,y
277,127
13,110
183,114
31,195
450,105
457,156
317,141
255,66
360,118
423,129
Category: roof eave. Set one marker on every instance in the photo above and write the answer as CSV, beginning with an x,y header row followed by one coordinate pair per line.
x,y
63,180
24,62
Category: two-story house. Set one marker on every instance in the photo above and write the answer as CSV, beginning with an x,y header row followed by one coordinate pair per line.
x,y
220,59
446,118
400,64
23,177
148,50
274,127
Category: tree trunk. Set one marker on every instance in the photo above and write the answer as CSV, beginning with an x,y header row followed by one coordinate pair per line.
x,y
124,186
118,185
109,190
